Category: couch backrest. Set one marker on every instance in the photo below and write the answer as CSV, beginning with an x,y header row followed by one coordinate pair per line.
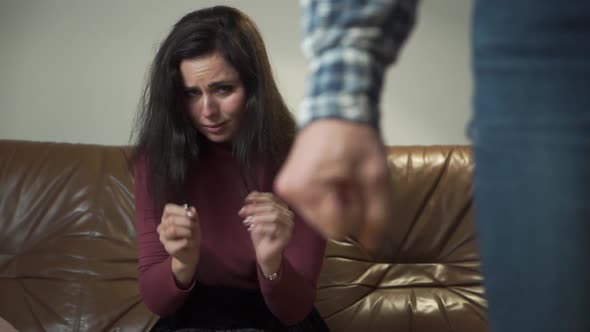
x,y
67,239
68,256
427,277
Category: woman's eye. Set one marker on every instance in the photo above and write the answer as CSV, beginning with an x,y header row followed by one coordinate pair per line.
x,y
191,93
224,89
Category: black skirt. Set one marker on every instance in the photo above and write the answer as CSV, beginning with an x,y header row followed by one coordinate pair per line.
x,y
216,309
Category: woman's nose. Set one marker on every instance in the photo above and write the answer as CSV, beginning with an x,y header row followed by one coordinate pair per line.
x,y
209,107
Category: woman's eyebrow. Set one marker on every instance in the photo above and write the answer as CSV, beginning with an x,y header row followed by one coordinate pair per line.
x,y
221,82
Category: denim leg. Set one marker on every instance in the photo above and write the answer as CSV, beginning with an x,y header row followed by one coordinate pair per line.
x,y
531,135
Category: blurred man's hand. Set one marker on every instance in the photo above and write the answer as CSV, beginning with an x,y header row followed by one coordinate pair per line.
x,y
337,178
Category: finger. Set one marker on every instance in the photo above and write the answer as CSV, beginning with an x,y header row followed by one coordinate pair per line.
x,y
264,229
176,232
340,209
274,215
252,209
177,210
173,209
280,219
290,185
263,197
320,207
170,231
173,247
256,198
191,213
378,192
312,187
331,201
180,221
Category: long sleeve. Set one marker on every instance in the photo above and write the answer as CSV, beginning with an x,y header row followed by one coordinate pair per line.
x,y
157,285
291,296
349,45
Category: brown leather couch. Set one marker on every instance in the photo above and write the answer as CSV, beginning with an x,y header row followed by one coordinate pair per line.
x,y
68,255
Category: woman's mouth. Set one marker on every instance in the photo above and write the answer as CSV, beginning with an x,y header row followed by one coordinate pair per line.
x,y
216,128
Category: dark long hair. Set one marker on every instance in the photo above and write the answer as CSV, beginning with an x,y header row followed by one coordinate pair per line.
x,y
163,132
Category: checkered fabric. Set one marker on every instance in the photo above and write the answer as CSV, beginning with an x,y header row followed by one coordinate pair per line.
x,y
349,44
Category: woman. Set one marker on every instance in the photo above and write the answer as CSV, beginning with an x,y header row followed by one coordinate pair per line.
x,y
217,249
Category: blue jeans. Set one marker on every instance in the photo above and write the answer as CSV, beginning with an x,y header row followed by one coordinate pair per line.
x,y
531,135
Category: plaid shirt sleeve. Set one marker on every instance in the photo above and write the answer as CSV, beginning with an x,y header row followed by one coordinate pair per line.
x,y
349,45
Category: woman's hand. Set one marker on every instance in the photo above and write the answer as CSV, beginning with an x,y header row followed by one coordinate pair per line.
x,y
180,234
270,223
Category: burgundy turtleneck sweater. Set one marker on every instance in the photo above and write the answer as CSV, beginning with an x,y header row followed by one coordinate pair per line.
x,y
227,256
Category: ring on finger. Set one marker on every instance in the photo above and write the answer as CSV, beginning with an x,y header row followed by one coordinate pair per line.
x,y
187,212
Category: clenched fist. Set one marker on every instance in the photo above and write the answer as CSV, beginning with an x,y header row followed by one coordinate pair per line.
x,y
270,223
180,234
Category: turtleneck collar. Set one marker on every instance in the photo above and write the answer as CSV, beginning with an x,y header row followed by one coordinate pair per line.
x,y
223,150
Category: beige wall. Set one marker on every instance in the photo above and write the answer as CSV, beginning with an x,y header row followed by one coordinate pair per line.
x,y
71,71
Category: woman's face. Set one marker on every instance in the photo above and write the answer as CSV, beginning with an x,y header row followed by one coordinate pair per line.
x,y
215,96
